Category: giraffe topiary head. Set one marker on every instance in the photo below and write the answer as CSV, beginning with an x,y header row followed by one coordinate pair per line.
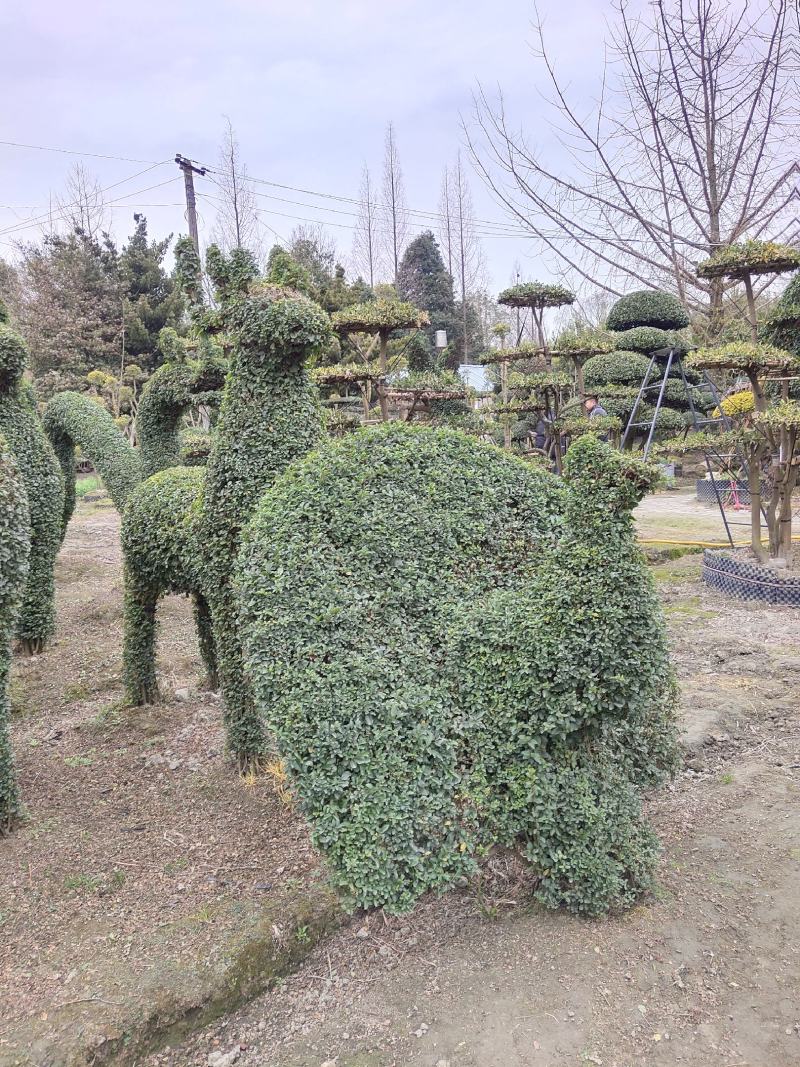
x,y
13,358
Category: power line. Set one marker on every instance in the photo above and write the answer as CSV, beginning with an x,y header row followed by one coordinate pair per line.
x,y
75,152
37,220
65,211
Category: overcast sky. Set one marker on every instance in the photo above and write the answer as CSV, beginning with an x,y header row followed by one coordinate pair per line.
x,y
309,86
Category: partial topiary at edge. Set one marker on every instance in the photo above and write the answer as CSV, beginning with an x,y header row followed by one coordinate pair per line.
x,y
455,651
15,543
44,485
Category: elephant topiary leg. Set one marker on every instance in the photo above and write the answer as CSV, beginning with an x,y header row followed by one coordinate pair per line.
x,y
139,653
36,619
205,636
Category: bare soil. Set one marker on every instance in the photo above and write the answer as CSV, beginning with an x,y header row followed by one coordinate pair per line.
x,y
144,857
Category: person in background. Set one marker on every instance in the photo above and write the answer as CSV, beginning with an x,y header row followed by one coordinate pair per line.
x,y
593,407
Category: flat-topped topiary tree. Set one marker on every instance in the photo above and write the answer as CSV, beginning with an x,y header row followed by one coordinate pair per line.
x,y
15,546
381,317
538,296
417,631
26,440
747,260
766,434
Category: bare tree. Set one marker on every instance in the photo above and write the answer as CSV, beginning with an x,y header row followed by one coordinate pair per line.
x,y
395,208
446,225
82,205
692,145
468,255
236,224
365,238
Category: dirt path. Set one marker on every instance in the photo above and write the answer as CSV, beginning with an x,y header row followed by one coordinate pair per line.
x,y
706,974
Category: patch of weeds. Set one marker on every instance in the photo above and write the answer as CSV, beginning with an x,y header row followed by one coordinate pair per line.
x,y
75,692
662,894
80,761
109,716
18,698
726,778
176,866
83,883
302,935
116,881
690,608
89,483
203,915
45,826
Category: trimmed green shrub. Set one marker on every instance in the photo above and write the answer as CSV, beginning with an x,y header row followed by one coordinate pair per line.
x,y
15,545
647,307
750,257
618,368
454,652
72,419
649,339
536,294
22,428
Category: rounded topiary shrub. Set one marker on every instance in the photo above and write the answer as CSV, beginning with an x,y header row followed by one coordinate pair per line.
x,y
647,307
617,368
649,339
419,637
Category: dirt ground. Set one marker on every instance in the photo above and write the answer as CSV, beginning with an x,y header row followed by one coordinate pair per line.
x,y
143,853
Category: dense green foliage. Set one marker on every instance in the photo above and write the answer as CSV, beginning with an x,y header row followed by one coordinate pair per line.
x,y
152,301
44,484
750,257
380,316
15,543
782,327
618,368
647,307
744,356
536,294
454,652
72,419
649,339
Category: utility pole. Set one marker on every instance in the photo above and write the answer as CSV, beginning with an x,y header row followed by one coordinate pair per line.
x,y
189,171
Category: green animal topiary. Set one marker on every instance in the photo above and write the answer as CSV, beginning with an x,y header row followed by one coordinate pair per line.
x,y
420,634
184,519
44,484
15,545
647,307
171,391
72,419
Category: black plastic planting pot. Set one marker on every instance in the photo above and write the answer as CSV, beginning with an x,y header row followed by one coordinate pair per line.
x,y
748,580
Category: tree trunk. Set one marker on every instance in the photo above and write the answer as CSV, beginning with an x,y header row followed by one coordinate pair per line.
x,y
504,396
754,486
751,308
383,366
